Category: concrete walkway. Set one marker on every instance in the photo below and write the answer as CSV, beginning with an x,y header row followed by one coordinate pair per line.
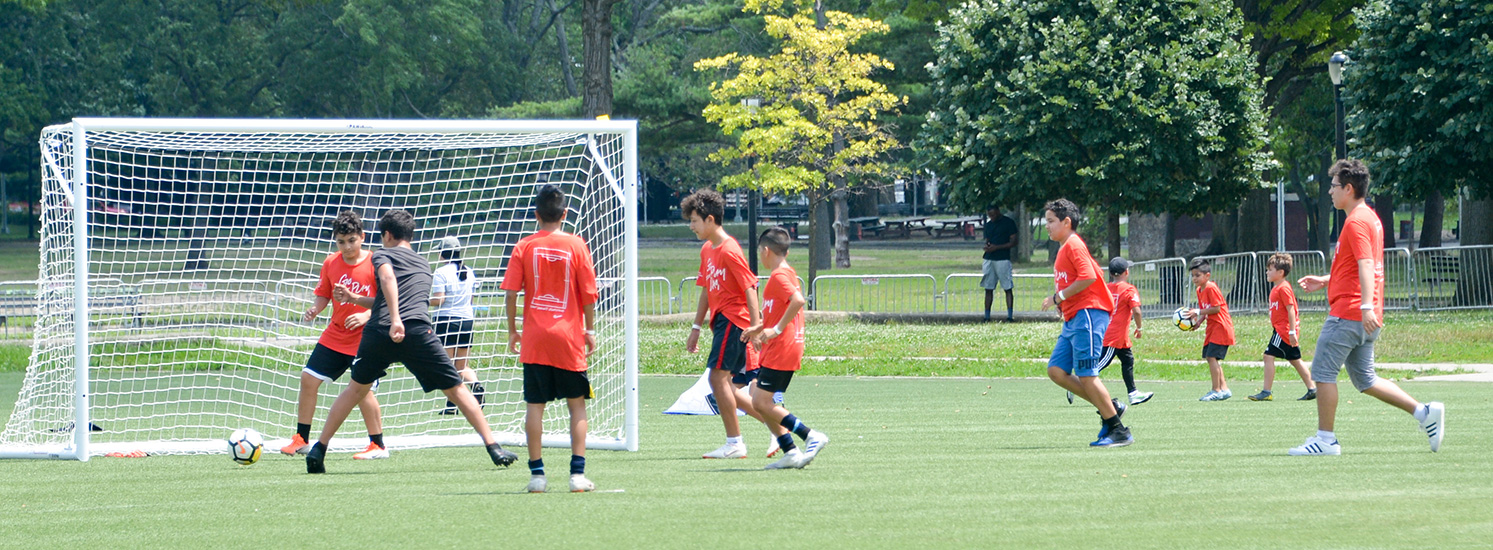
x,y
1483,372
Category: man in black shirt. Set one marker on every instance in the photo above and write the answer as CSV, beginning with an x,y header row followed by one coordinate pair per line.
x,y
1000,238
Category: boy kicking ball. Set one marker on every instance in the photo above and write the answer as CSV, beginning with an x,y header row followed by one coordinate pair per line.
x,y
781,336
557,334
400,331
1284,342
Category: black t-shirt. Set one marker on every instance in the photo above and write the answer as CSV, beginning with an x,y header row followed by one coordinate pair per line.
x,y
999,231
412,276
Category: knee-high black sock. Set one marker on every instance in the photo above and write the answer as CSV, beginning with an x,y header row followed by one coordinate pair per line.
x,y
304,430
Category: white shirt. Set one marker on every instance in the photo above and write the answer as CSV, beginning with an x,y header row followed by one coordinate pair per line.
x,y
457,302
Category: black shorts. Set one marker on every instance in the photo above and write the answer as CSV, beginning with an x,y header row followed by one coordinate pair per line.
x,y
454,333
420,352
1109,354
1215,351
727,351
773,380
1279,348
543,383
327,364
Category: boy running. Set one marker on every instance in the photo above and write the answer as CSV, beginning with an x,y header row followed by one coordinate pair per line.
x,y
1086,305
1117,336
554,272
1284,342
781,336
400,331
730,297
1355,296
351,267
1220,333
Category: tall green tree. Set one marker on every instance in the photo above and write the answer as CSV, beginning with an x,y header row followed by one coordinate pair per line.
x,y
1138,106
817,130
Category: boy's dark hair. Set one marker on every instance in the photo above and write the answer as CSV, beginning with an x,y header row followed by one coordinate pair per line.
x,y
706,203
1064,209
777,240
549,204
347,222
1200,264
399,224
1351,172
1280,261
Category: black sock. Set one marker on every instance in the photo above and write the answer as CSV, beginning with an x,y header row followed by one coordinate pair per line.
x,y
377,439
1113,423
303,430
536,467
793,425
786,442
577,464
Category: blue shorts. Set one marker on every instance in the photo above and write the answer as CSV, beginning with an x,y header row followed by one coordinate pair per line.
x,y
1081,345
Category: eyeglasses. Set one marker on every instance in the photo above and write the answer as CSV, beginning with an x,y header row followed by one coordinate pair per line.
x,y
1337,185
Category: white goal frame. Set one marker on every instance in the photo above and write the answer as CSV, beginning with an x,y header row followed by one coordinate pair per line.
x,y
79,448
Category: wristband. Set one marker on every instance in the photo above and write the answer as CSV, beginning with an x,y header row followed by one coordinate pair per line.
x,y
694,327
1060,296
591,332
1365,307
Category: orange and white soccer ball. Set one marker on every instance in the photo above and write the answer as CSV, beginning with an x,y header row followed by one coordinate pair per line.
x,y
246,445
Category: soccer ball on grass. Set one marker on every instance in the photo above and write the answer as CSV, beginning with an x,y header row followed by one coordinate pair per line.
x,y
245,445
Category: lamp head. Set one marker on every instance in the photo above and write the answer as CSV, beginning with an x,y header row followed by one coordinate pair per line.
x,y
1335,67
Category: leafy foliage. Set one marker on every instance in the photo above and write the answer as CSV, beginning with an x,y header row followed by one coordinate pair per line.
x,y
1143,106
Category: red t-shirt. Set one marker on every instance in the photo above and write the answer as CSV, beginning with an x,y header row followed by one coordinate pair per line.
x,y
1283,302
1362,239
1127,300
727,279
555,273
1220,325
357,278
1074,264
786,352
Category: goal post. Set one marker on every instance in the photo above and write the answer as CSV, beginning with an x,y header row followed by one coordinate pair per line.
x,y
178,255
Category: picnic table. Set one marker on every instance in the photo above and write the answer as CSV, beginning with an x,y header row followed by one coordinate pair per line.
x,y
965,226
904,227
859,227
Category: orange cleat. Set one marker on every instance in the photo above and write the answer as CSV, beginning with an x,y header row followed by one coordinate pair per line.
x,y
296,445
373,452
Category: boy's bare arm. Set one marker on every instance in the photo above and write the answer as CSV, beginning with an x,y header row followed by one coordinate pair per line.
x,y
390,286
511,305
589,310
317,305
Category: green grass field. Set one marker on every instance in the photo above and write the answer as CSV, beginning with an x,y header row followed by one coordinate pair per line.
x,y
931,463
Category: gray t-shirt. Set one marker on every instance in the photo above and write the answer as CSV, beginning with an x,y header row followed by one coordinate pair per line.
x,y
412,277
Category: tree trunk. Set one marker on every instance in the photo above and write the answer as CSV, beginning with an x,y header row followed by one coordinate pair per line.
x,y
1384,205
1024,235
1255,230
1431,223
842,228
596,26
1477,222
563,41
1325,218
1171,235
822,234
1112,233
1474,266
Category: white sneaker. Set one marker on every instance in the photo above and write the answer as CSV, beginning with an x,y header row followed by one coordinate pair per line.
x,y
815,443
579,484
1316,446
728,450
1137,397
773,448
538,484
794,458
1435,423
373,452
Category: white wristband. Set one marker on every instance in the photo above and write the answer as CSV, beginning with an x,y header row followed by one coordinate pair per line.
x,y
1365,307
694,327
591,332
1061,297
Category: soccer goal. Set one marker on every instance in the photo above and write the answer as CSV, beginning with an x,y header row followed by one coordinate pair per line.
x,y
178,255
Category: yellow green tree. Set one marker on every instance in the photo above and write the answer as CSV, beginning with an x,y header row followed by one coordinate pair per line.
x,y
814,125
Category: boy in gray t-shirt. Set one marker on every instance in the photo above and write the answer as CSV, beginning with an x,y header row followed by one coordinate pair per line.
x,y
404,287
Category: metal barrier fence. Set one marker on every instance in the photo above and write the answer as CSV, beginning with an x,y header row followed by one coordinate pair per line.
x,y
1241,279
916,293
963,293
688,297
1303,263
1399,280
1162,284
1448,278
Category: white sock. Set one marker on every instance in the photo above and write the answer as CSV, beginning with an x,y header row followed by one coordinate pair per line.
x,y
1421,412
733,440
1329,436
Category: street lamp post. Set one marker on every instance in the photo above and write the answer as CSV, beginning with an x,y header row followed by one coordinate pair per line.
x,y
751,105
1335,72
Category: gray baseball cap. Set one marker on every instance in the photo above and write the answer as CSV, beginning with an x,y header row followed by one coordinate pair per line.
x,y
448,243
1117,265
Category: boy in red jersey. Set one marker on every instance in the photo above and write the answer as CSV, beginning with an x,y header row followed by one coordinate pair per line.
x,y
1355,296
1086,305
350,266
1220,334
1285,342
730,297
1117,337
553,269
781,336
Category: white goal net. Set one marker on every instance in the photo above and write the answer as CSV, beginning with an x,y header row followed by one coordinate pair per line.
x,y
177,257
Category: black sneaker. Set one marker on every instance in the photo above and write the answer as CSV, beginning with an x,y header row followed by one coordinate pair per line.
x,y
1119,408
1264,395
500,456
315,458
1310,396
478,392
450,408
1118,437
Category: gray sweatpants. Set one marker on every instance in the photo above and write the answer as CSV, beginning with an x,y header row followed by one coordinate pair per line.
x,y
1344,343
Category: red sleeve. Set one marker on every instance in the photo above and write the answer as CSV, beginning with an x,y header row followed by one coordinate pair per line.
x,y
585,273
1363,242
513,278
1215,296
1083,267
324,288
739,273
1134,297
